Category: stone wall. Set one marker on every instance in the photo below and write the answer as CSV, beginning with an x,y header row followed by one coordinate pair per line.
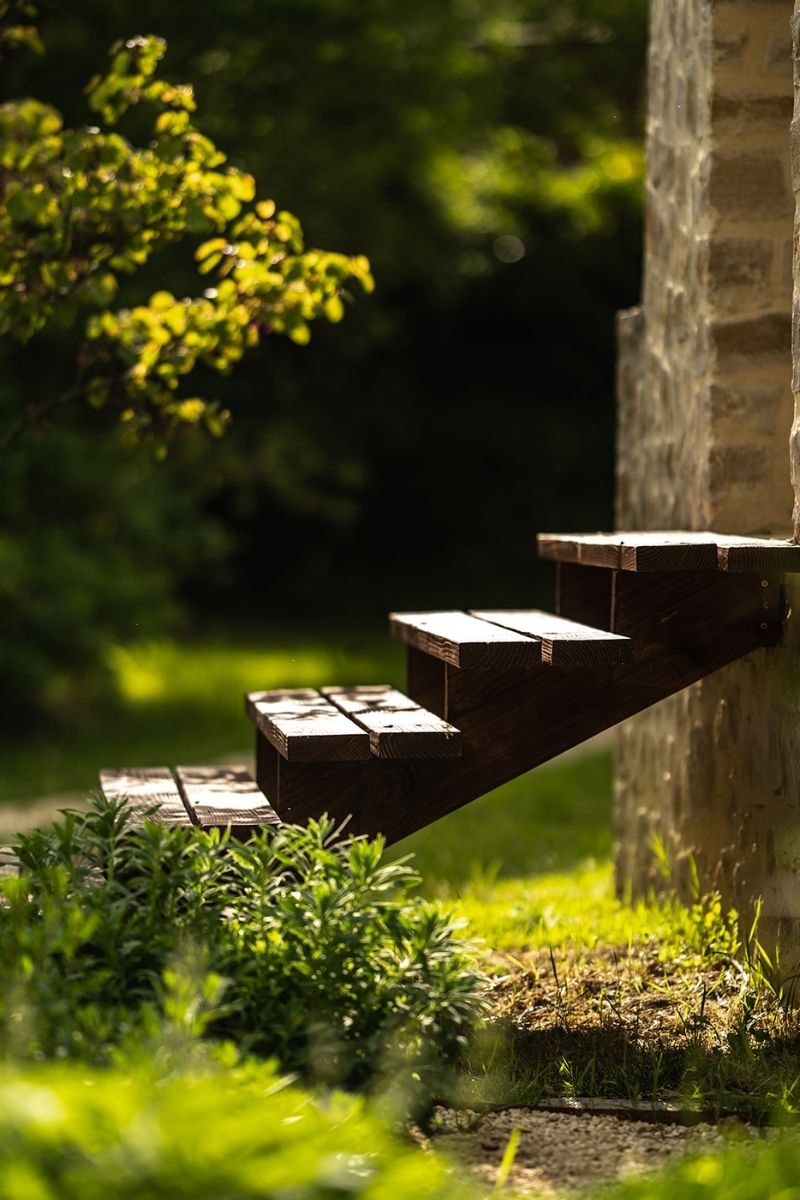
x,y
705,413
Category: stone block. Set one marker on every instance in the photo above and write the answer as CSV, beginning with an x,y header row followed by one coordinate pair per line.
x,y
778,57
750,409
787,267
751,111
750,185
794,147
753,339
728,45
740,266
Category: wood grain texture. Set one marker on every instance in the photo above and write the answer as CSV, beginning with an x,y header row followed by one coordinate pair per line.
x,y
221,796
426,680
147,788
305,727
397,726
656,551
463,641
678,550
584,594
652,610
766,556
512,720
565,643
305,790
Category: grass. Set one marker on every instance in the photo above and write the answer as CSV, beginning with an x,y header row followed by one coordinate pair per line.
x,y
179,702
590,995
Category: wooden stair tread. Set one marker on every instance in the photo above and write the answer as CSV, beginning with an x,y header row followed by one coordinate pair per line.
x,y
672,550
9,862
465,641
564,643
397,726
221,796
304,726
144,788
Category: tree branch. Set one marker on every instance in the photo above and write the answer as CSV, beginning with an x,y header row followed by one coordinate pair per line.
x,y
36,413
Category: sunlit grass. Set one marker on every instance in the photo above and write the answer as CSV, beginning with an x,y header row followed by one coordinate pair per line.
x,y
547,820
181,702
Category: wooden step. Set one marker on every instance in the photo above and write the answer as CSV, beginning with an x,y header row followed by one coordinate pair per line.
x,y
9,862
304,726
673,551
220,796
350,724
146,788
397,726
564,643
506,638
464,641
208,797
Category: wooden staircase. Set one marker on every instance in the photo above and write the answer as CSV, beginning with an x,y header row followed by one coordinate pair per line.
x,y
492,694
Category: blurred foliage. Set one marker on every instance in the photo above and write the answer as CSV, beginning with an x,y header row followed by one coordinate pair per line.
x,y
178,1130
80,207
486,158
316,953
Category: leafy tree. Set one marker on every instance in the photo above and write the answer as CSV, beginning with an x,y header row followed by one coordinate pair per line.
x,y
486,157
80,207
91,542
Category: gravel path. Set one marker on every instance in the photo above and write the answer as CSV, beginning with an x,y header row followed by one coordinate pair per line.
x,y
561,1152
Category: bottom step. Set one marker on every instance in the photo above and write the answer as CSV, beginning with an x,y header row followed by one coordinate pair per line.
x,y
206,797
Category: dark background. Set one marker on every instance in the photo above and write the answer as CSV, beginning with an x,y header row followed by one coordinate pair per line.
x,y
408,456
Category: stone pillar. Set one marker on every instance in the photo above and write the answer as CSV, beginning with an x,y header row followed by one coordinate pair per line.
x,y
705,413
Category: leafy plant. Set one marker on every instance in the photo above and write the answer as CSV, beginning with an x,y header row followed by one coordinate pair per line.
x,y
322,960
83,207
72,1133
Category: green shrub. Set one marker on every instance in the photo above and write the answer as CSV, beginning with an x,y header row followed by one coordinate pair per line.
x,y
72,1133
304,947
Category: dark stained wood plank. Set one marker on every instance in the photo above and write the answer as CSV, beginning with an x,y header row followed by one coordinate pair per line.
x,y
568,548
305,727
584,594
680,550
145,787
221,796
564,643
651,609
267,759
397,726
771,557
513,720
9,862
651,551
306,790
463,641
425,680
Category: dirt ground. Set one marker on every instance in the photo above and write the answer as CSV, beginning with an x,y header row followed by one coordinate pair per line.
x,y
561,1152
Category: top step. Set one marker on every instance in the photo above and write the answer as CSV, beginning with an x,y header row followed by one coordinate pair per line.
x,y
505,639
672,551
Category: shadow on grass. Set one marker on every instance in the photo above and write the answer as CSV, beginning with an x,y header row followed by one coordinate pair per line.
x,y
547,820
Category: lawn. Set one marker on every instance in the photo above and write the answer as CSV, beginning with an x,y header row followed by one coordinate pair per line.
x,y
182,702
590,995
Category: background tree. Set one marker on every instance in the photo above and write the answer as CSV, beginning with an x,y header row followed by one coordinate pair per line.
x,y
486,159
79,209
